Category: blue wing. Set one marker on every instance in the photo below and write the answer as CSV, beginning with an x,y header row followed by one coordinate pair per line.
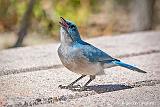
x,y
94,54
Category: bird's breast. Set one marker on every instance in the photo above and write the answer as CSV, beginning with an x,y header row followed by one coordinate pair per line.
x,y
66,55
73,59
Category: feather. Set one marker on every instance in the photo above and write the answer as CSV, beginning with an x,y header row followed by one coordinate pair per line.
x,y
119,63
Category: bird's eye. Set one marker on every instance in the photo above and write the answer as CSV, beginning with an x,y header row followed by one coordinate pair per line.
x,y
72,26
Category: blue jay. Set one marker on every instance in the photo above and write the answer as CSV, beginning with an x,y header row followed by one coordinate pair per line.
x,y
83,58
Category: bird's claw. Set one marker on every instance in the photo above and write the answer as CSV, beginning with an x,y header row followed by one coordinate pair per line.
x,y
63,87
69,86
82,89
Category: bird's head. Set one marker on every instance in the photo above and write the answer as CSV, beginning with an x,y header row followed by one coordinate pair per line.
x,y
70,29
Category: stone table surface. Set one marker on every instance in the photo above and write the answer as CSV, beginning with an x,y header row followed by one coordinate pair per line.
x,y
30,76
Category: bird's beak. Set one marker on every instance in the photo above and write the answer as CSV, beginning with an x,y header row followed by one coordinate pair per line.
x,y
63,23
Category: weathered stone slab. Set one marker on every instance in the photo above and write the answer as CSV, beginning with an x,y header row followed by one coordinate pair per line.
x,y
45,57
119,87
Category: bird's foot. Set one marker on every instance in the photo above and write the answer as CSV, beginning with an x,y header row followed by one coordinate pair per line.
x,y
62,87
82,89
69,86
74,87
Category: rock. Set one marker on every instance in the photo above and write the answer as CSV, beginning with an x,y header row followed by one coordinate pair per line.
x,y
30,76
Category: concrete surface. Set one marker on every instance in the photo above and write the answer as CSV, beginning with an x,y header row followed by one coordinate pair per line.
x,y
20,86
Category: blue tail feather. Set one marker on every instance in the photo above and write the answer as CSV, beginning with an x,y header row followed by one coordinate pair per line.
x,y
119,63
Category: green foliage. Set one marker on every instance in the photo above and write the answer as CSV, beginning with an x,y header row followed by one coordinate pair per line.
x,y
73,9
21,7
121,2
46,20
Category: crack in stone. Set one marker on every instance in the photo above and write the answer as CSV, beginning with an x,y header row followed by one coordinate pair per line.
x,y
19,102
38,68
138,54
15,71
145,83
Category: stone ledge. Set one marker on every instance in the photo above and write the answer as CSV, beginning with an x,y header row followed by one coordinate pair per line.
x,y
43,57
21,86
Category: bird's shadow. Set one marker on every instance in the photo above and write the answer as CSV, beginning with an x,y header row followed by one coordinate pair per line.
x,y
102,88
117,87
107,88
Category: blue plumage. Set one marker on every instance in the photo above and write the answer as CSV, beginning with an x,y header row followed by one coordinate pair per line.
x,y
122,64
92,53
82,57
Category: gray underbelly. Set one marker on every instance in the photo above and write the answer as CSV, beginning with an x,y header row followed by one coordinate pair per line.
x,y
78,63
83,67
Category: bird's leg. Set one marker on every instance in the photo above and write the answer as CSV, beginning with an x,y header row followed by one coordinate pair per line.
x,y
71,85
92,77
76,80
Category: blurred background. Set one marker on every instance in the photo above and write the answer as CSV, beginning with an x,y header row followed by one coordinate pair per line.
x,y
34,22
